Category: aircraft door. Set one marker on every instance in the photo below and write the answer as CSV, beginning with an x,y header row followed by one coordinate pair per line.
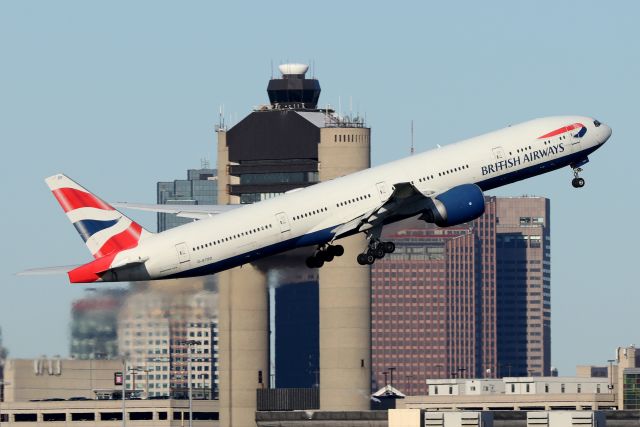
x,y
498,153
183,252
283,221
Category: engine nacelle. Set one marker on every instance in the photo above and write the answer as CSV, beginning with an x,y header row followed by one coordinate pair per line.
x,y
458,205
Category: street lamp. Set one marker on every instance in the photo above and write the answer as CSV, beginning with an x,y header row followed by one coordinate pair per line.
x,y
124,391
409,378
391,375
189,344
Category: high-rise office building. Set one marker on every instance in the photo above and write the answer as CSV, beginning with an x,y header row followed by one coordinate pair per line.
x,y
433,302
163,333
94,324
200,188
444,304
523,253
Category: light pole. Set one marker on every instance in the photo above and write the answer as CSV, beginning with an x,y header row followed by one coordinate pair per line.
x,y
190,344
409,378
124,391
391,375
462,370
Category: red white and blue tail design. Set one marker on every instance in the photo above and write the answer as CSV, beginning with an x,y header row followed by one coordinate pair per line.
x,y
104,230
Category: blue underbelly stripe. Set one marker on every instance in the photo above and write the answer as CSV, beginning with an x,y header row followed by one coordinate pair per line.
x,y
311,239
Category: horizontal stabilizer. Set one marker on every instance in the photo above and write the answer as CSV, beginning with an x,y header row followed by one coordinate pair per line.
x,y
184,211
46,271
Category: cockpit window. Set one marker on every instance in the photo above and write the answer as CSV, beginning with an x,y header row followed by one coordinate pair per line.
x,y
597,123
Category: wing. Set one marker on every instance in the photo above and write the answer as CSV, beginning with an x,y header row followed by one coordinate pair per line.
x,y
184,211
404,201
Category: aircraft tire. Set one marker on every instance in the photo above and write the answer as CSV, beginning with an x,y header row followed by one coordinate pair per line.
x,y
362,259
337,250
326,256
310,262
389,247
379,252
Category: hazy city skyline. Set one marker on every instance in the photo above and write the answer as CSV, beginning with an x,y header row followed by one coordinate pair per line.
x,y
104,92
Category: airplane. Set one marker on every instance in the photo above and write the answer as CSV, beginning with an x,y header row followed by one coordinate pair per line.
x,y
444,186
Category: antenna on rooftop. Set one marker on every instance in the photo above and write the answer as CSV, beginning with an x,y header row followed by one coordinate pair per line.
x,y
221,117
412,147
271,68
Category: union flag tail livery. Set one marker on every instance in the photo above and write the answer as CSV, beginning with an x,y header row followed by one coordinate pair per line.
x,y
104,230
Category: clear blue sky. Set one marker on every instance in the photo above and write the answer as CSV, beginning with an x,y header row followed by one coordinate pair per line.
x,y
120,95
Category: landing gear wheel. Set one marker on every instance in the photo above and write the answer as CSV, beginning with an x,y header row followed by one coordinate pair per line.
x,y
310,262
326,256
314,262
370,258
389,247
337,250
378,252
362,259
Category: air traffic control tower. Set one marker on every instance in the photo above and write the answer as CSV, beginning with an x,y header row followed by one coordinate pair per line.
x,y
289,144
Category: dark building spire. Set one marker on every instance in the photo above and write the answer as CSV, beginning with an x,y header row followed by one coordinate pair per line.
x,y
293,90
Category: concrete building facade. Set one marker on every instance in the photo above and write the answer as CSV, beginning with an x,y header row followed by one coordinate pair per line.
x,y
108,413
285,145
515,393
49,378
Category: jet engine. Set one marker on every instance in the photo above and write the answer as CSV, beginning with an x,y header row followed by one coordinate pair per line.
x,y
458,205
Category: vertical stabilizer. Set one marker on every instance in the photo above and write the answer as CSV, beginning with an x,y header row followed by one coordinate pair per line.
x,y
104,229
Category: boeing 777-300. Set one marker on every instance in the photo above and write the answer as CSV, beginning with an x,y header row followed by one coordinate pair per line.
x,y
444,186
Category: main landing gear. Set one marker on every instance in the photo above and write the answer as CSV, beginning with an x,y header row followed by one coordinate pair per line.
x,y
577,182
377,250
325,253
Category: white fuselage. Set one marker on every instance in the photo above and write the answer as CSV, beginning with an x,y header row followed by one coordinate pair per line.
x,y
307,216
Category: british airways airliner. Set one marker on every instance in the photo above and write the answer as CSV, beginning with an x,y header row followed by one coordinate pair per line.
x,y
444,186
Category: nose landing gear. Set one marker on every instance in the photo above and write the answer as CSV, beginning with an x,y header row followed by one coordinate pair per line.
x,y
577,182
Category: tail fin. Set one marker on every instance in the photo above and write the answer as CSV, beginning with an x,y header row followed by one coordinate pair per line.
x,y
103,229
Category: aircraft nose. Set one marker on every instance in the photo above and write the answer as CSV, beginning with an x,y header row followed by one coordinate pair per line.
x,y
606,132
